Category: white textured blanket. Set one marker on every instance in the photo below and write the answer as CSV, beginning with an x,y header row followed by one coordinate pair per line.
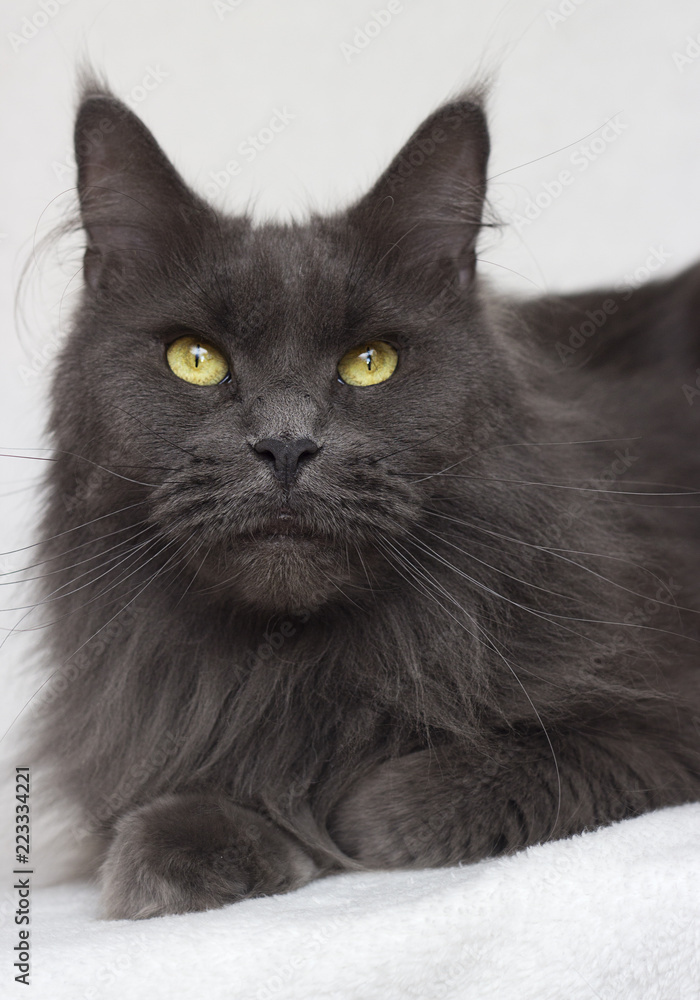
x,y
612,915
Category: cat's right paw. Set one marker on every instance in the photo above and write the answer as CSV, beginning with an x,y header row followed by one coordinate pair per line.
x,y
196,852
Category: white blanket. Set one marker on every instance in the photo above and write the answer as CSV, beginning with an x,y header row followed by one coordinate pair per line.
x,y
611,915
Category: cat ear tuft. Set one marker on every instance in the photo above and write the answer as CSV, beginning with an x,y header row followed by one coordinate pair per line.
x,y
425,211
132,199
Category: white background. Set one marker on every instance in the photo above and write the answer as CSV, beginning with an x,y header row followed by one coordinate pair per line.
x,y
556,80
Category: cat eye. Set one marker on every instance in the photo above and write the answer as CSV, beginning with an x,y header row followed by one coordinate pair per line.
x,y
197,361
368,364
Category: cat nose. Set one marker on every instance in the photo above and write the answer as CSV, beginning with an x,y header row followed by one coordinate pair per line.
x,y
285,456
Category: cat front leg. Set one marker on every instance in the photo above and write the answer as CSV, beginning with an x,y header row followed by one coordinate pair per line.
x,y
191,852
442,807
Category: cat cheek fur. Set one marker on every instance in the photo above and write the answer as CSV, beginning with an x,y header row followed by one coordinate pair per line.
x,y
425,646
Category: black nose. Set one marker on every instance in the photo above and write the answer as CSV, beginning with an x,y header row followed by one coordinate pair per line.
x,y
286,456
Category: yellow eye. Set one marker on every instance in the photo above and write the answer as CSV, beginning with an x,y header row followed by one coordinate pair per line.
x,y
368,364
197,361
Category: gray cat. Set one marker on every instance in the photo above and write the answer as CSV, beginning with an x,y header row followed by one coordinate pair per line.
x,y
347,569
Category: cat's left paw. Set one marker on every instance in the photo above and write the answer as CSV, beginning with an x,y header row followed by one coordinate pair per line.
x,y
196,852
403,814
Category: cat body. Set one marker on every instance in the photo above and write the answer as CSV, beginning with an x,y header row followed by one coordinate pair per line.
x,y
301,625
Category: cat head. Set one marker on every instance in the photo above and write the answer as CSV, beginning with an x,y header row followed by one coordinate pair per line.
x,y
277,396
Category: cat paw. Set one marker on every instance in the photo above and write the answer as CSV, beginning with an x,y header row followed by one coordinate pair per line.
x,y
401,815
182,853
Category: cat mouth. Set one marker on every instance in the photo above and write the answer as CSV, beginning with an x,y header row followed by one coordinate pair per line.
x,y
284,525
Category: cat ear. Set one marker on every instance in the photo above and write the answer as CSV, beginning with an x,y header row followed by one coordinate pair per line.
x,y
424,213
132,200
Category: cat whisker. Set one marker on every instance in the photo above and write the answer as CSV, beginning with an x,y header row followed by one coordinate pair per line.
x,y
364,567
80,607
337,587
560,486
414,581
81,458
393,546
80,545
56,595
66,291
526,444
16,627
50,677
221,585
492,645
194,575
557,554
549,615
677,489
545,615
501,572
81,562
155,433
504,267
400,451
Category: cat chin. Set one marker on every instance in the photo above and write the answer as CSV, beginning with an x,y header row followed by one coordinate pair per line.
x,y
282,573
